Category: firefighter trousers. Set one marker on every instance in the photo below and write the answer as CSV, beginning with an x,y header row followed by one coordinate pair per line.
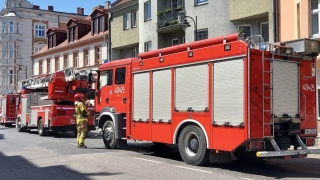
x,y
81,132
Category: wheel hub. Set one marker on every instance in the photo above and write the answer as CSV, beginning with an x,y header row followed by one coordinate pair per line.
x,y
108,133
191,144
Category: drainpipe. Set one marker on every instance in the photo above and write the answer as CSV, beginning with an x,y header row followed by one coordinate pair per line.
x,y
109,36
275,20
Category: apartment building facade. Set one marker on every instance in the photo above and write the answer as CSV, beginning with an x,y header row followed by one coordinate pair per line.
x,y
124,31
84,44
164,23
23,33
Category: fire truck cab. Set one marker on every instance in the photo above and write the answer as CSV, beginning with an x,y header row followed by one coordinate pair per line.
x,y
214,97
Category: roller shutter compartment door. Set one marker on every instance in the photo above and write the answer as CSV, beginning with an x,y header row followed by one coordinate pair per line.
x,y
285,88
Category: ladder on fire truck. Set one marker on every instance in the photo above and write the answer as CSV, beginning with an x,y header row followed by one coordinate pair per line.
x,y
267,113
41,82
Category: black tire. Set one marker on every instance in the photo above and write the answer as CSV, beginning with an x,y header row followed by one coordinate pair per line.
x,y
18,125
41,128
108,137
193,146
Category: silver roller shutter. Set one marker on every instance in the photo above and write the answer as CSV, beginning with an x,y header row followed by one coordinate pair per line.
x,y
141,96
161,95
285,88
192,87
228,90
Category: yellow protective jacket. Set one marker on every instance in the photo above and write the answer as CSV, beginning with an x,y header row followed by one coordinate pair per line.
x,y
80,107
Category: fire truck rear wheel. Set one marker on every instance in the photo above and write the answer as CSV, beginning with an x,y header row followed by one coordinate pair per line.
x,y
193,146
18,125
108,137
41,128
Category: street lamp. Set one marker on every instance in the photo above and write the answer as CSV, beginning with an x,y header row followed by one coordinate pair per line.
x,y
186,23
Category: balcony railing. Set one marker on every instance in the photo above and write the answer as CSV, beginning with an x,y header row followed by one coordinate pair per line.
x,y
169,18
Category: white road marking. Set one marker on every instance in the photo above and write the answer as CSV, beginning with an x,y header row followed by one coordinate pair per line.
x,y
148,160
183,167
73,144
245,178
48,139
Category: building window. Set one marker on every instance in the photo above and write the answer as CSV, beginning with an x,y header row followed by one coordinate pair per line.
x,y
97,55
120,75
11,27
39,30
5,51
95,26
134,52
37,49
3,77
202,34
17,27
147,46
246,29
264,31
198,2
126,21
48,65
315,9
57,64
134,19
86,57
4,27
65,61
40,67
11,51
100,24
18,51
147,10
175,41
71,38
11,77
75,60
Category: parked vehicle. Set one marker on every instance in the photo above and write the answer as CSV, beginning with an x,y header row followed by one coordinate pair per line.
x,y
214,97
47,102
8,103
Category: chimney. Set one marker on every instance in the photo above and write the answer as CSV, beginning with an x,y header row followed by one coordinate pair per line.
x,y
36,7
50,8
80,11
107,5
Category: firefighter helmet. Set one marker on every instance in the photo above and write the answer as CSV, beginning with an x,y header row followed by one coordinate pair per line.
x,y
78,97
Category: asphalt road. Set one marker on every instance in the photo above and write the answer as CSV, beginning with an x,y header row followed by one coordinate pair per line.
x,y
56,156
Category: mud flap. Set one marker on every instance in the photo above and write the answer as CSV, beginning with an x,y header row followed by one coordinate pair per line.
x,y
220,156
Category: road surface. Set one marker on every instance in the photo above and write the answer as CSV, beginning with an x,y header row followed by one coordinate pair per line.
x,y
56,156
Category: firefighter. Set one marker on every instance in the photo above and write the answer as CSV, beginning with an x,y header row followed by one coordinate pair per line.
x,y
82,119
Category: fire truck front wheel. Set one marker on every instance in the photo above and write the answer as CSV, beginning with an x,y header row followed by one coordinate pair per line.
x,y
108,137
193,146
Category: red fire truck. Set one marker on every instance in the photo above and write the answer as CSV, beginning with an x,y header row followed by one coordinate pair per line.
x,y
8,103
214,97
47,102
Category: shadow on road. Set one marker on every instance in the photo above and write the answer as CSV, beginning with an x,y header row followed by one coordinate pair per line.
x,y
277,169
16,167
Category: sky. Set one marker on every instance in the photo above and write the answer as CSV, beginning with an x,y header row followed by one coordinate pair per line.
x,y
66,5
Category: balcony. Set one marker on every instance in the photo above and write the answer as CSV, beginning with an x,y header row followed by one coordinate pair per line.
x,y
168,20
10,37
